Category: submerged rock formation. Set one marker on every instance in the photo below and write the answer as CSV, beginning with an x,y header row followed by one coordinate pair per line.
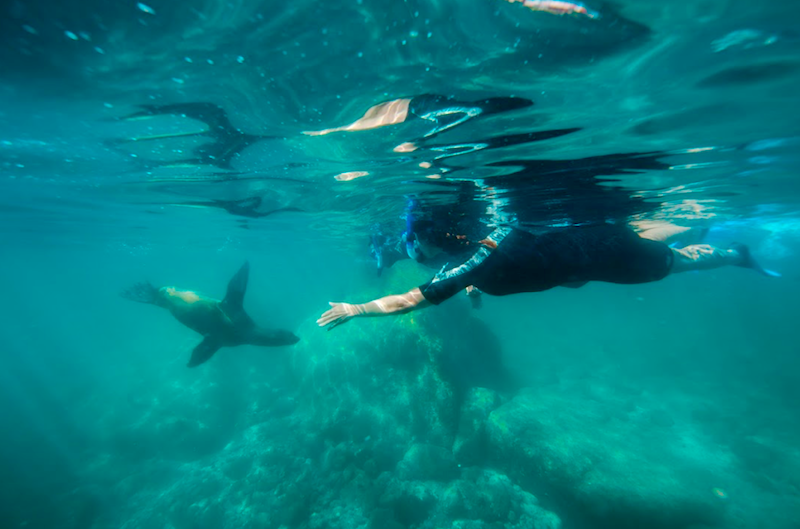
x,y
386,423
617,461
378,424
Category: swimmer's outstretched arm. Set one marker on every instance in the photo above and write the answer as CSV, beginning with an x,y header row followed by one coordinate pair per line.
x,y
386,306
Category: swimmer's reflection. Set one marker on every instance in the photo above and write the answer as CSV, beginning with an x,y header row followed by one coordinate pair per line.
x,y
442,112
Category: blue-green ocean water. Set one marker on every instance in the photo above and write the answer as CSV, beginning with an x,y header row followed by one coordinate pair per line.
x,y
665,405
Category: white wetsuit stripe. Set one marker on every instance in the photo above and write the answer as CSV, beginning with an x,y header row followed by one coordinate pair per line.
x,y
496,237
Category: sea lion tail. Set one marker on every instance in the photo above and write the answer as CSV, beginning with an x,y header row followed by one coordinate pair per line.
x,y
251,333
272,337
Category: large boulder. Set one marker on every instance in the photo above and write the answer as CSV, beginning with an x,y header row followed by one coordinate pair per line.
x,y
617,464
378,379
369,426
470,446
427,463
478,499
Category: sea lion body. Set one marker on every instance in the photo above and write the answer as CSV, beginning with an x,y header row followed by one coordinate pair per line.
x,y
201,314
222,323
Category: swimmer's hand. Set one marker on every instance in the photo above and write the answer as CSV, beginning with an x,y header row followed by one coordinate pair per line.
x,y
386,306
337,314
475,296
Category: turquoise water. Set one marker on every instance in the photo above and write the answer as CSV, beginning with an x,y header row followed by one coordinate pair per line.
x,y
665,405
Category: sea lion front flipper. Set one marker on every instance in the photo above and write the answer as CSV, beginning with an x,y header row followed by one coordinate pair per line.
x,y
203,352
234,298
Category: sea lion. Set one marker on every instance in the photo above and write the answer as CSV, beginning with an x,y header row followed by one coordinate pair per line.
x,y
222,323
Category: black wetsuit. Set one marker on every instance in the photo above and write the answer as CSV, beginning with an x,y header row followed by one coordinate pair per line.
x,y
524,262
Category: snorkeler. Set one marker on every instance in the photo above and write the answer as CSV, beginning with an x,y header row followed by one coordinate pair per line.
x,y
442,111
222,323
227,140
513,261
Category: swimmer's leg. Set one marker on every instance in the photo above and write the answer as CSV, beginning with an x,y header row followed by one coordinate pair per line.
x,y
271,337
748,261
669,233
707,257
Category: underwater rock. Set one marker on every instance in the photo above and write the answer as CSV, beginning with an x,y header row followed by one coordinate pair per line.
x,y
471,353
377,379
411,502
361,435
618,473
425,462
491,497
479,499
470,444
172,424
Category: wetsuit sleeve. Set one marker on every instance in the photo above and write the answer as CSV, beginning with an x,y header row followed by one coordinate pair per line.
x,y
447,284
435,291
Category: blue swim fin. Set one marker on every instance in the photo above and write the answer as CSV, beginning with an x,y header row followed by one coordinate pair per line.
x,y
748,261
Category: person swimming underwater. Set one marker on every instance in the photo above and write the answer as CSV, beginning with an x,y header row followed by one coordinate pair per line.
x,y
512,261
222,323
